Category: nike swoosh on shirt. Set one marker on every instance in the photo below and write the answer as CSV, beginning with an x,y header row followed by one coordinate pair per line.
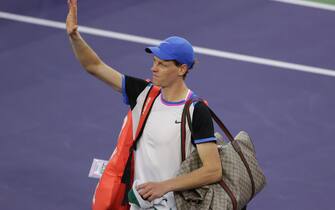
x,y
177,122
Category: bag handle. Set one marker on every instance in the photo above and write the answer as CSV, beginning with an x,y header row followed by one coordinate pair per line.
x,y
235,145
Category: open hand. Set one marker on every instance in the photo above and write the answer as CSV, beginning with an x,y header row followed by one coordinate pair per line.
x,y
72,20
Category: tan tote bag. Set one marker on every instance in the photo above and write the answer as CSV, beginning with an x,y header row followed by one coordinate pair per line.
x,y
242,177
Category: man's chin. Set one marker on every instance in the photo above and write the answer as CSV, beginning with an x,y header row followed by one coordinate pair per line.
x,y
155,82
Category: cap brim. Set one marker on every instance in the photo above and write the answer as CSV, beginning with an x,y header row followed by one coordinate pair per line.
x,y
148,50
159,53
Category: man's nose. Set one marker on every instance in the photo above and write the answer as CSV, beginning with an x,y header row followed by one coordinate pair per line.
x,y
154,68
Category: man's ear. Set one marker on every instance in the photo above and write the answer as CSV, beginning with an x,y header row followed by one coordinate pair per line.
x,y
183,69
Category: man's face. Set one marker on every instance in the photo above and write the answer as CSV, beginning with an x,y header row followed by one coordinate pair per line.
x,y
164,73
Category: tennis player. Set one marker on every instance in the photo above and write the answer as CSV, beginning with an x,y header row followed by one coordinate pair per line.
x,y
158,153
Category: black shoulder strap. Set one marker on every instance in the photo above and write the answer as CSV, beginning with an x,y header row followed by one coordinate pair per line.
x,y
145,111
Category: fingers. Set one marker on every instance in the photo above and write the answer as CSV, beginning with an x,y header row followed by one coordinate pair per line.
x,y
146,195
69,4
71,20
143,190
150,191
152,197
72,2
140,186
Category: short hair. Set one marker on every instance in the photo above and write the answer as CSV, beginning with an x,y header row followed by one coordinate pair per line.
x,y
179,64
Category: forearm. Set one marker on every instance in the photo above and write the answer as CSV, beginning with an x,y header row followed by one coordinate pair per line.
x,y
93,64
194,179
86,56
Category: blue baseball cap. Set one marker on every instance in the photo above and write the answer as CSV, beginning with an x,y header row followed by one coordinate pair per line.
x,y
174,48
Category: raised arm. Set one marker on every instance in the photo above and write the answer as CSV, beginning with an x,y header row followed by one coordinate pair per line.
x,y
86,56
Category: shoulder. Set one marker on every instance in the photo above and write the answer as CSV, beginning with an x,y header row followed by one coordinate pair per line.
x,y
202,124
201,109
132,87
134,82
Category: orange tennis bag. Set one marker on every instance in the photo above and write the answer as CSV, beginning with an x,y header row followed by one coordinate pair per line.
x,y
117,179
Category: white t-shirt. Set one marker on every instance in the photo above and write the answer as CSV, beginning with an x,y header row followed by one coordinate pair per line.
x,y
158,152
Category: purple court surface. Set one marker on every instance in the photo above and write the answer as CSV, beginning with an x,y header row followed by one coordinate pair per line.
x,y
55,118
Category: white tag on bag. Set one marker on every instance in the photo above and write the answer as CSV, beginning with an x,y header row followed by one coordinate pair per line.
x,y
97,168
